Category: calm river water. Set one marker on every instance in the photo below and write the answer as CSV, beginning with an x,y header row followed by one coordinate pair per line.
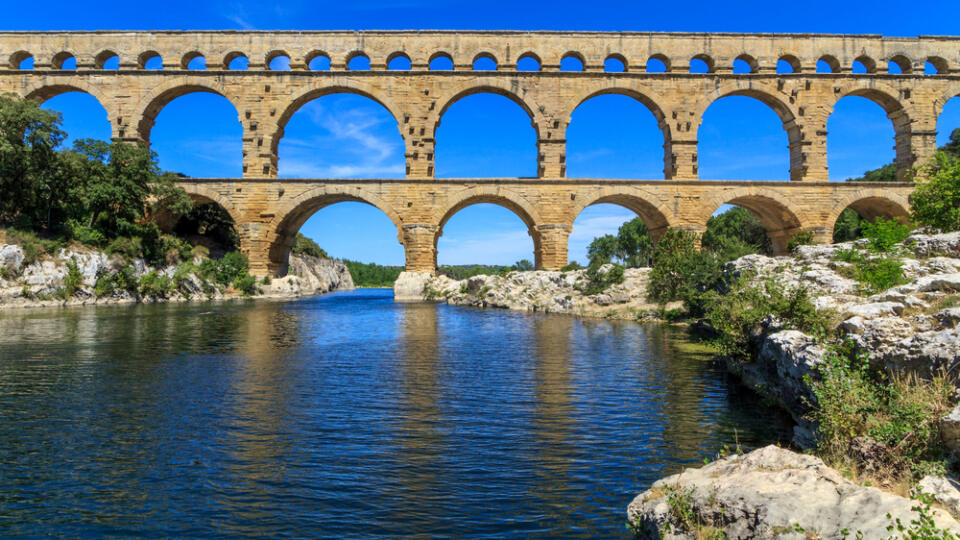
x,y
348,415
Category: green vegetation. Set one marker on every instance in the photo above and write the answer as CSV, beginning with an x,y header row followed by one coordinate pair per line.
x,y
306,246
372,274
881,268
900,414
596,280
735,233
104,195
632,246
936,202
683,272
802,238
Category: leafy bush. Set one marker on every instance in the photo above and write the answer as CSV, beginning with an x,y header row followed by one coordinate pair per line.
x,y
737,315
683,272
883,233
523,265
574,265
73,280
876,274
129,248
105,286
154,284
306,246
736,232
802,238
226,269
201,252
902,414
595,280
936,202
246,284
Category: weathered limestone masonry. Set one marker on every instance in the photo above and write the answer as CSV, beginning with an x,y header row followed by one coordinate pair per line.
x,y
268,211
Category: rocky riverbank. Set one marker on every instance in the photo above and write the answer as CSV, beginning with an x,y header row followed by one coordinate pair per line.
x,y
83,276
775,493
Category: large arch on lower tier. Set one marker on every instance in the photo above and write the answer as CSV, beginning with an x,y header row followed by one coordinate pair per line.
x,y
653,214
316,93
779,220
151,104
513,202
282,230
872,205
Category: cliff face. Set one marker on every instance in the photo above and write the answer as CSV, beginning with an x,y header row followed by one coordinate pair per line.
x,y
42,282
309,275
540,290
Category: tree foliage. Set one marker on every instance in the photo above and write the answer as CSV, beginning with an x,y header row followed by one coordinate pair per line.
x,y
632,246
936,202
735,233
306,246
94,193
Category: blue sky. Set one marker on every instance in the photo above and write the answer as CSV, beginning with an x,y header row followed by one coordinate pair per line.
x,y
347,136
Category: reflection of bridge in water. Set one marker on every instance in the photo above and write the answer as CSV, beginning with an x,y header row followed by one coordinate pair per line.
x,y
268,211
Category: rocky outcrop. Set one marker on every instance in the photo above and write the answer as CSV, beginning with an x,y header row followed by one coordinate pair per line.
x,y
42,282
541,291
310,275
770,493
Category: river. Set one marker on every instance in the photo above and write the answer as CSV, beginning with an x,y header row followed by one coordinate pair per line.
x,y
348,415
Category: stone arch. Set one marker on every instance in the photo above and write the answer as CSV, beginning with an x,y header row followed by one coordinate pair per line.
x,y
199,194
750,61
706,59
653,213
440,54
145,57
940,64
152,103
469,89
620,58
903,62
887,98
490,194
282,229
485,54
231,56
61,57
42,93
948,94
661,57
303,99
273,55
831,61
190,57
792,61
780,221
397,54
778,103
102,57
871,204
18,57
352,55
869,64
534,56
313,55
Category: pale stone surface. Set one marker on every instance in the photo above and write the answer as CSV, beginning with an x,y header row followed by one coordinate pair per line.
x,y
767,492
269,211
410,286
944,490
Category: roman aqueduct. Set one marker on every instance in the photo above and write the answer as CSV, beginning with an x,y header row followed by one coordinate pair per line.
x,y
112,67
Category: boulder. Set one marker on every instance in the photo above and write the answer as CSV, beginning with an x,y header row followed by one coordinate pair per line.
x,y
947,244
11,258
770,493
410,286
944,491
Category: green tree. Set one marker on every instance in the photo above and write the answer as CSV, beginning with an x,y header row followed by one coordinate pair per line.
x,y
31,179
306,246
681,271
849,226
936,201
602,249
634,245
523,265
735,233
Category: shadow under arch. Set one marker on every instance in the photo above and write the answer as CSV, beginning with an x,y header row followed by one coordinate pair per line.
x,y
780,222
284,228
873,206
777,105
318,93
511,201
152,104
653,215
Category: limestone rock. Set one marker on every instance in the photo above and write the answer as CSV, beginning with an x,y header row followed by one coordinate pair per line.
x,y
410,286
874,310
11,258
767,494
950,431
944,491
947,244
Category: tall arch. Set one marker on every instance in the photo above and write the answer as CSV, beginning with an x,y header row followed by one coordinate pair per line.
x,y
151,104
647,100
513,202
282,230
899,118
784,113
316,93
80,120
527,161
